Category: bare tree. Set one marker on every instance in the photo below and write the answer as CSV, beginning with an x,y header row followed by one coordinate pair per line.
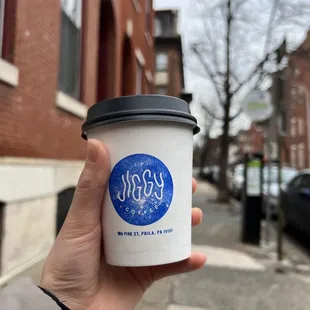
x,y
233,44
209,124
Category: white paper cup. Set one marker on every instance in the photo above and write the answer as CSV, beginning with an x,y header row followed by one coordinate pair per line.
x,y
147,206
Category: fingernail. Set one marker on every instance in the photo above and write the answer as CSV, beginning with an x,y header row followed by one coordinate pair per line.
x,y
92,151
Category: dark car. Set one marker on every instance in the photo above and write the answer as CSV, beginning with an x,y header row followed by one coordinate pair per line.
x,y
296,202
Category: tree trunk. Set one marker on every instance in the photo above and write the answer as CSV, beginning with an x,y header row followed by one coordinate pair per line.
x,y
204,153
223,195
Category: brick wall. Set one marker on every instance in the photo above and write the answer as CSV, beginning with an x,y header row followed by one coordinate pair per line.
x,y
30,123
175,80
297,107
139,39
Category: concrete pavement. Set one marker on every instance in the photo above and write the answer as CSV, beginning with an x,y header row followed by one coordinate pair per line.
x,y
236,277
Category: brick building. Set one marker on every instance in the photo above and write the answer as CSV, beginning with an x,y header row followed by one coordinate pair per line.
x,y
251,140
57,58
169,75
297,106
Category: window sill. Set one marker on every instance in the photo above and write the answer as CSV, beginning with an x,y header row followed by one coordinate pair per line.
x,y
140,57
137,6
71,105
8,73
149,76
148,39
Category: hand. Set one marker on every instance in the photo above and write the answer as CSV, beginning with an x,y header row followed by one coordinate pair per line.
x,y
75,270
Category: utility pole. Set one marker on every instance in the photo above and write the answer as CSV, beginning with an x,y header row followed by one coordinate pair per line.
x,y
267,202
278,104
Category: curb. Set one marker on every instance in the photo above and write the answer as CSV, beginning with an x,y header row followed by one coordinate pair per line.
x,y
236,206
288,264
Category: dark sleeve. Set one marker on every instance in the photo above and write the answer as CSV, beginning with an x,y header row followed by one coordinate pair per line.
x,y
24,295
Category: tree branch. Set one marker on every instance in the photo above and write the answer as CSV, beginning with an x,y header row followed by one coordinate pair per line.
x,y
258,67
209,72
210,113
236,115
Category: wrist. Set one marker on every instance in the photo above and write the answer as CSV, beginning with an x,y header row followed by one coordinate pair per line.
x,y
52,296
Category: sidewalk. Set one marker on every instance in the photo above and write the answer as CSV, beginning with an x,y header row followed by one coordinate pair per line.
x,y
233,278
236,277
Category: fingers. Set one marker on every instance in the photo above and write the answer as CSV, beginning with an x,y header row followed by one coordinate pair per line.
x,y
197,216
86,206
196,261
194,185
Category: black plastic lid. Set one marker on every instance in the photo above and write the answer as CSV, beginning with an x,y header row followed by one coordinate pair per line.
x,y
142,107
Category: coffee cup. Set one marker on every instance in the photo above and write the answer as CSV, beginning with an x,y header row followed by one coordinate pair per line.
x,y
146,215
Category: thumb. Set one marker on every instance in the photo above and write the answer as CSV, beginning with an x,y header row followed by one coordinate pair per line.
x,y
85,212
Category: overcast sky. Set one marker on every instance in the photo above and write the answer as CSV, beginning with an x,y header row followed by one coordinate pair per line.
x,y
193,83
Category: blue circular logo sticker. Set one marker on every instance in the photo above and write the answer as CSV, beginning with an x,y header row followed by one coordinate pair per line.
x,y
141,189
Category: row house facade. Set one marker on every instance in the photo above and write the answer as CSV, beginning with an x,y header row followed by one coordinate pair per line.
x,y
57,58
169,72
297,106
295,125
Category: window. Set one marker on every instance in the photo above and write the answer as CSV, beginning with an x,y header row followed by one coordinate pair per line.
x,y
161,61
294,95
1,25
293,155
293,127
69,77
158,28
295,183
148,17
161,90
139,79
300,126
301,155
305,181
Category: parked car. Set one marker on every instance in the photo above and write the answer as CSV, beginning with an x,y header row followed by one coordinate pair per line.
x,y
296,202
206,174
195,172
216,174
288,173
236,181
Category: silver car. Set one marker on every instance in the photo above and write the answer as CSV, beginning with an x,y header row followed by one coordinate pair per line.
x,y
271,194
236,181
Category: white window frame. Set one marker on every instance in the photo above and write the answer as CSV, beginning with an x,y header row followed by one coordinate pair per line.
x,y
9,74
301,131
149,81
148,11
293,127
301,155
293,155
139,76
137,5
